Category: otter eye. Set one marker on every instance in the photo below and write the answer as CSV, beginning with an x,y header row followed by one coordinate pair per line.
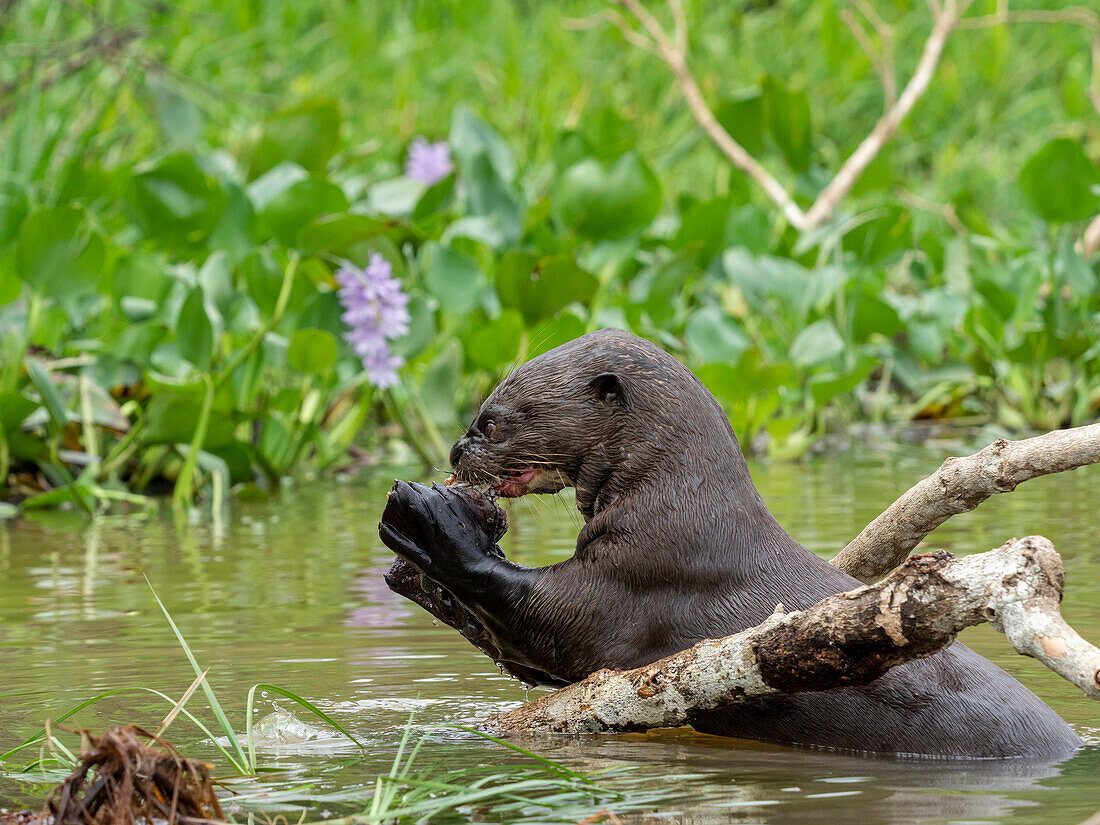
x,y
489,428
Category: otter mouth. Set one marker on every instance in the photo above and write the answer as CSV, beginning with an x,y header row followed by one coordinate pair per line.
x,y
517,481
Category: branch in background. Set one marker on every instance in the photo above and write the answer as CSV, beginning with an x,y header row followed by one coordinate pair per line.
x,y
960,485
844,640
882,60
673,51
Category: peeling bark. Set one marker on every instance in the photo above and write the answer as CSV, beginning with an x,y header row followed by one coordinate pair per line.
x,y
847,639
960,485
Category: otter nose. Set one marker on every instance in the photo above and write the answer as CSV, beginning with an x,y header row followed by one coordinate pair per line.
x,y
457,450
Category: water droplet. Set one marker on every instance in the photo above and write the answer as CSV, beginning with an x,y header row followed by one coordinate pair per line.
x,y
435,622
263,693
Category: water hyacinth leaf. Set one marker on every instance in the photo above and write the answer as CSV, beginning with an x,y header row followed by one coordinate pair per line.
x,y
553,332
828,385
540,288
788,118
194,332
175,200
873,316
489,195
290,211
742,115
311,350
10,286
307,134
712,336
179,118
14,205
396,197
453,277
421,326
171,419
1059,182
435,198
439,388
608,132
263,279
14,408
496,344
337,234
817,343
57,255
1073,269
607,199
471,136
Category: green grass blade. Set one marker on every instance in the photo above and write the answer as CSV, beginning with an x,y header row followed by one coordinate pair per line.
x,y
305,703
215,705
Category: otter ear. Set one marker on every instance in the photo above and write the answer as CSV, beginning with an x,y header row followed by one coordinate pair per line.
x,y
609,389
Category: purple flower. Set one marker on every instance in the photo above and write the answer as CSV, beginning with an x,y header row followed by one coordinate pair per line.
x,y
428,162
377,312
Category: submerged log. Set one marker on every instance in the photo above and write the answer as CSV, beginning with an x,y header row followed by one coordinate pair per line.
x,y
847,639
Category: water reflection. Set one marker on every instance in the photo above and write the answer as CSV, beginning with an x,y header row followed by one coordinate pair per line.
x,y
291,592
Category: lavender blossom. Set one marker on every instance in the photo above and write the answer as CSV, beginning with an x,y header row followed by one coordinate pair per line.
x,y
428,162
377,312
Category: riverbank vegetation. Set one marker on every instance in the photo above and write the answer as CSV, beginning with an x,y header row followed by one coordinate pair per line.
x,y
183,186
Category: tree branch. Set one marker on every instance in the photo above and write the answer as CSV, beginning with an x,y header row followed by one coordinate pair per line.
x,y
848,639
959,485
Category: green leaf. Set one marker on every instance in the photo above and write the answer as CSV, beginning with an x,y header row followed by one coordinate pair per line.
x,y
712,336
175,200
540,288
743,117
179,118
607,199
496,344
421,326
47,389
471,136
194,332
872,315
172,420
14,407
553,332
828,385
1058,180
453,277
312,350
307,134
1073,269
788,118
817,343
296,206
57,255
489,195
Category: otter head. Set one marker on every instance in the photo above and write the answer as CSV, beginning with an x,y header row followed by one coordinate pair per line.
x,y
600,413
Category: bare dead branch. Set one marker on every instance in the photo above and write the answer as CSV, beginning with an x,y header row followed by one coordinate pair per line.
x,y
842,183
734,151
960,485
848,639
673,51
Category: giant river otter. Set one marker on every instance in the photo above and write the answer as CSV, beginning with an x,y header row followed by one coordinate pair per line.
x,y
677,547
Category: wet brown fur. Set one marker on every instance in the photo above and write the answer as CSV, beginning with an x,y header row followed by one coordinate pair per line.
x,y
678,546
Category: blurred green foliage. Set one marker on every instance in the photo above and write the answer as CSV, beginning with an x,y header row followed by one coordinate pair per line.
x,y
180,183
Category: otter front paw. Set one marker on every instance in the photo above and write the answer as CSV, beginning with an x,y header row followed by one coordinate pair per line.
x,y
447,533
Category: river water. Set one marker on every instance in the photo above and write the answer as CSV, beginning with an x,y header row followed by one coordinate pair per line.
x,y
290,592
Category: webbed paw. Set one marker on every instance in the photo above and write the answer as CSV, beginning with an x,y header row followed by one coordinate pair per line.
x,y
447,533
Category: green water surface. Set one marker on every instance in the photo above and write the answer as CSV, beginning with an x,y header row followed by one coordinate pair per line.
x,y
291,592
